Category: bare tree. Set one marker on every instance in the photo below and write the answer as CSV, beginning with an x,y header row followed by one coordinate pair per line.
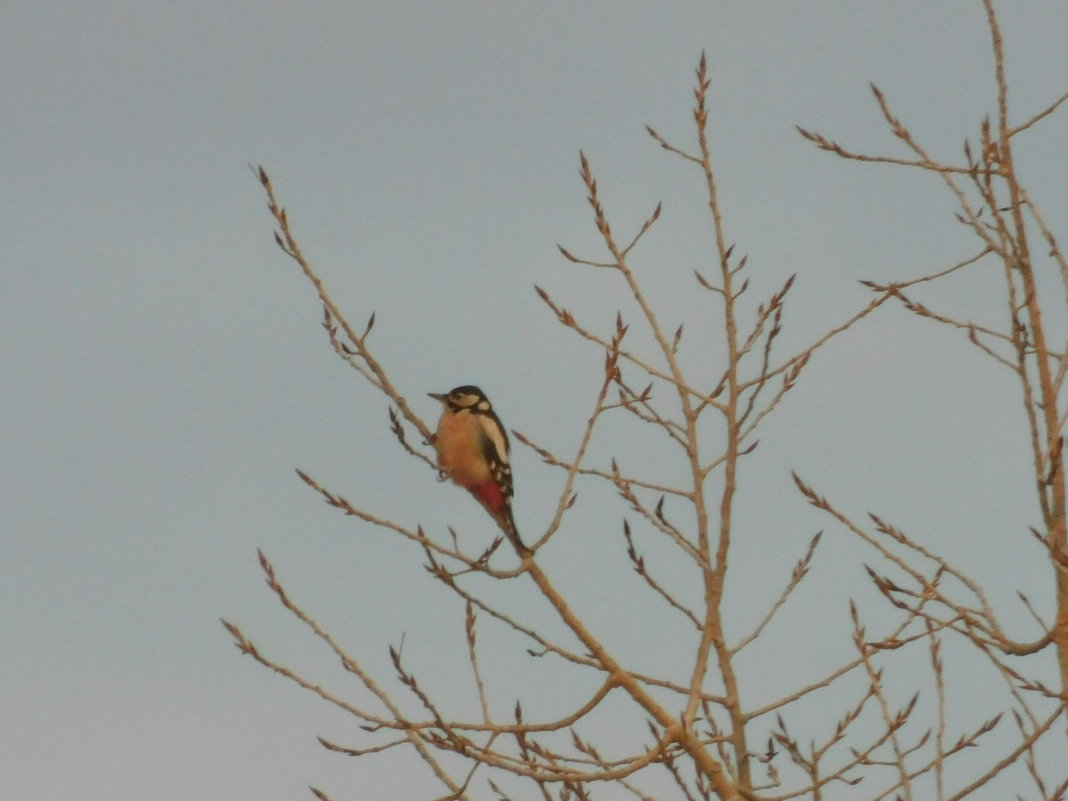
x,y
686,732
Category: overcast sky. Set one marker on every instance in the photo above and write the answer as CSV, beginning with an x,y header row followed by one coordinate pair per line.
x,y
165,369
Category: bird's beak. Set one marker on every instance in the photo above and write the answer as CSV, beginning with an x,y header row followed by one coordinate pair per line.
x,y
438,397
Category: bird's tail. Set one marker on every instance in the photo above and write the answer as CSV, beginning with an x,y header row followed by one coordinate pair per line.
x,y
507,525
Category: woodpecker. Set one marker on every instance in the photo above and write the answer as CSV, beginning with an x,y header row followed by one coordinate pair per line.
x,y
472,448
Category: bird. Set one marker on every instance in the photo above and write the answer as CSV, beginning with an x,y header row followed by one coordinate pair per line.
x,y
472,449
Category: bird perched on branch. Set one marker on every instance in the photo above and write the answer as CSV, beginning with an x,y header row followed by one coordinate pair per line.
x,y
472,448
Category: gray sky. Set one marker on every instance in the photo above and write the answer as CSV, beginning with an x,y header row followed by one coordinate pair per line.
x,y
165,369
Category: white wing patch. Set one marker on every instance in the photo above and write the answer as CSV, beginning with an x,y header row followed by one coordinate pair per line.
x,y
497,452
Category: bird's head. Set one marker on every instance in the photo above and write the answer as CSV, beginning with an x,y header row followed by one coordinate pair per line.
x,y
465,397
